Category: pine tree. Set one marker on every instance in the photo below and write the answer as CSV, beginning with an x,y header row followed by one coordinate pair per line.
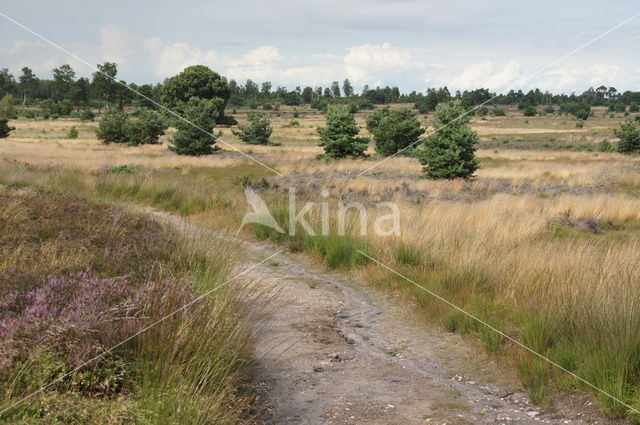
x,y
449,152
191,137
629,135
339,136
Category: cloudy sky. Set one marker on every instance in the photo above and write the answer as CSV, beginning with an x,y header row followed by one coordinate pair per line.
x,y
409,43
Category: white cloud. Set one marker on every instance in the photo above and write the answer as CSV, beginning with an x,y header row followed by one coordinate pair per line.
x,y
263,55
487,75
117,44
367,62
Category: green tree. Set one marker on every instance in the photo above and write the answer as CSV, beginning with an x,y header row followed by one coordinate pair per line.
x,y
307,95
265,89
196,81
530,111
28,84
449,152
63,78
347,88
257,132
335,89
104,84
629,135
80,93
7,82
339,136
428,103
192,138
394,131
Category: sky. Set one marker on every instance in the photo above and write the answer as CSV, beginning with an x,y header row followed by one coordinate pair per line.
x,y
412,44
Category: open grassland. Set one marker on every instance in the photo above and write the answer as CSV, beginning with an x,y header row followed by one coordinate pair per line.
x,y
542,244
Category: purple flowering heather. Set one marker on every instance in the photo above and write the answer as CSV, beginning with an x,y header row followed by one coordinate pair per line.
x,y
71,316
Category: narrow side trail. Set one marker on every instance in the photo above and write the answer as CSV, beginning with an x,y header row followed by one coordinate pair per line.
x,y
331,352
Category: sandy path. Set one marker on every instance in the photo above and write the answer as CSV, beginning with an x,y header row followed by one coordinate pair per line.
x,y
334,353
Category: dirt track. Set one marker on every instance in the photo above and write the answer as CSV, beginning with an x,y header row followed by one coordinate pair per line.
x,y
333,353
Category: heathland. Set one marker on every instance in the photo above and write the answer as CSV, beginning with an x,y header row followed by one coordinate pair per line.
x,y
543,244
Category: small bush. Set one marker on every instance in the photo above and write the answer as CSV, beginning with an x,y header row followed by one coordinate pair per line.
x,y
257,132
530,111
498,112
122,169
72,133
629,135
606,146
579,123
87,115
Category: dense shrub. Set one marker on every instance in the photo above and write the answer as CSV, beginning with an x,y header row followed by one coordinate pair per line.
x,y
117,127
580,110
449,152
30,115
87,115
530,111
111,128
498,112
617,107
257,132
629,135
394,131
5,129
339,136
482,111
7,107
146,129
606,146
365,104
549,109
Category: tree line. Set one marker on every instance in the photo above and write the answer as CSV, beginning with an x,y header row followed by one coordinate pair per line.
x,y
64,92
